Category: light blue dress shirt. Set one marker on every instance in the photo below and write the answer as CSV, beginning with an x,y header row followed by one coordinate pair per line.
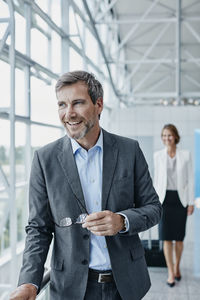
x,y
90,164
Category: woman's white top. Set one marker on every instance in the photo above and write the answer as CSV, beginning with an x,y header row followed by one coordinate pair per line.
x,y
182,170
171,173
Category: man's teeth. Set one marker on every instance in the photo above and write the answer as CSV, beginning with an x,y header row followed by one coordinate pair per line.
x,y
73,123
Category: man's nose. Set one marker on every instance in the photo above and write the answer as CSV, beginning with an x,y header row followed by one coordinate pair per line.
x,y
70,112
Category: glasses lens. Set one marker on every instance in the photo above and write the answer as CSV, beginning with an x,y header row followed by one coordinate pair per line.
x,y
81,219
66,222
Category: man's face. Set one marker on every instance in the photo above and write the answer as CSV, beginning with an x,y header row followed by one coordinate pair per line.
x,y
77,112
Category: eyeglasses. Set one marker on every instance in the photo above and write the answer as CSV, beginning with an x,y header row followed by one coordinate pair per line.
x,y
65,222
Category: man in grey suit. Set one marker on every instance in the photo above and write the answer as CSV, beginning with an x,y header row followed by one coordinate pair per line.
x,y
96,174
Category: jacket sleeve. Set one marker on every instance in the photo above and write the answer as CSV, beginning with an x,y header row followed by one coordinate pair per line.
x,y
147,209
190,182
39,229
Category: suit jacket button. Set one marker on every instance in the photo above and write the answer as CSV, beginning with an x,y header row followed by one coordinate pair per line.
x,y
86,236
84,262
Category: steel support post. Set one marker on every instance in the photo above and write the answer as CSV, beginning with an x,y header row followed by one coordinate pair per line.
x,y
65,27
178,51
100,46
13,207
28,18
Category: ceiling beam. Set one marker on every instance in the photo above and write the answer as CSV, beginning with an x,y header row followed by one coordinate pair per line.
x,y
192,58
165,6
104,13
178,51
192,31
134,28
148,74
157,83
192,80
146,21
190,5
100,46
148,51
133,21
3,40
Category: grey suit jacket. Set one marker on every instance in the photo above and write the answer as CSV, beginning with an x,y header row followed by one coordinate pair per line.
x,y
55,192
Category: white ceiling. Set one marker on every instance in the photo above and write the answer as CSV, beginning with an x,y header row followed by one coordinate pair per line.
x,y
154,38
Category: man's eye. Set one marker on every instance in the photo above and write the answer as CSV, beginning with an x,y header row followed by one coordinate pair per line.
x,y
61,105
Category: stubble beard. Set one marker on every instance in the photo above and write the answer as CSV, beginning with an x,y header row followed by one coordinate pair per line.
x,y
82,133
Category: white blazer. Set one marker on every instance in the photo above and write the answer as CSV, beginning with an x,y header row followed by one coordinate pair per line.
x,y
185,176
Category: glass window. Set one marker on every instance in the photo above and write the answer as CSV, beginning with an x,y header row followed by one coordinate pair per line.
x,y
20,105
91,48
39,48
20,33
41,136
5,235
103,33
78,24
75,60
43,102
20,151
72,22
79,3
43,4
56,53
4,12
4,84
21,203
5,146
41,23
3,27
56,12
4,173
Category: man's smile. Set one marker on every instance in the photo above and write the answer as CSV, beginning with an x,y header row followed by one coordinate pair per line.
x,y
73,124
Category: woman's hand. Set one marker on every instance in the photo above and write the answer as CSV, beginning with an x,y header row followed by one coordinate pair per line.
x,y
190,210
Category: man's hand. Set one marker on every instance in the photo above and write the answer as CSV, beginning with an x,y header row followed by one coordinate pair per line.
x,y
24,292
190,210
104,223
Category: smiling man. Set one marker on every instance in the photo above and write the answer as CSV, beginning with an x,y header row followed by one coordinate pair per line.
x,y
94,174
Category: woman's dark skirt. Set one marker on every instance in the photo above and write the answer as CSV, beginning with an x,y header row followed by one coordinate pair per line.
x,y
173,222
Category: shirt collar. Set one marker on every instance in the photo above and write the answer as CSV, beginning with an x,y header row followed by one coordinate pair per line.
x,y
76,146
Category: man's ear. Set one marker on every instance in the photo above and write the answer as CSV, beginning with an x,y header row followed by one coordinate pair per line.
x,y
99,104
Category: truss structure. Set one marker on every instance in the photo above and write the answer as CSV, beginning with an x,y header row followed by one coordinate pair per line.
x,y
160,45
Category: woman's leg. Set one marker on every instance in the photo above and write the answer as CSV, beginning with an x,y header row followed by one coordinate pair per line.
x,y
168,252
178,251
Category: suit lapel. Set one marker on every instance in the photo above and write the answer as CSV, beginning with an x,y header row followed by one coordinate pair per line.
x,y
110,153
67,162
164,160
179,160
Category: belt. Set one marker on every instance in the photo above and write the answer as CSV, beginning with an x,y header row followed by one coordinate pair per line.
x,y
100,276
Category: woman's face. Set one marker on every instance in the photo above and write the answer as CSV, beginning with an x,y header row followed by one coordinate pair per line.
x,y
168,138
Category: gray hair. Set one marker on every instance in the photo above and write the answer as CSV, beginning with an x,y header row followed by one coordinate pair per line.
x,y
95,89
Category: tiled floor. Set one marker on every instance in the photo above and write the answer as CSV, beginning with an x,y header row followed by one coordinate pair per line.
x,y
187,289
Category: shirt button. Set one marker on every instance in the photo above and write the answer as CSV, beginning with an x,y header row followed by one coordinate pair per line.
x,y
86,236
84,262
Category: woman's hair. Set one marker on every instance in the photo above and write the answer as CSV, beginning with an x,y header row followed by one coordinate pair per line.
x,y
173,130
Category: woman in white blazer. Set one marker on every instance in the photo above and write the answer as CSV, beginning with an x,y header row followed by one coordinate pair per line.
x,y
173,181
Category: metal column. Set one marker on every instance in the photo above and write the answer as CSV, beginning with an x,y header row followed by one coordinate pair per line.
x,y
13,208
178,51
